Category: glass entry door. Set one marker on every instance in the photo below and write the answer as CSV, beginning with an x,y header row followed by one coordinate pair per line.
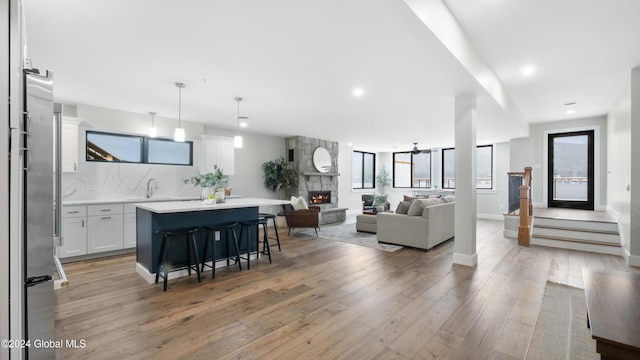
x,y
571,173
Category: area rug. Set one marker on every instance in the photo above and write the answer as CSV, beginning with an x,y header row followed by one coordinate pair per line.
x,y
561,330
346,232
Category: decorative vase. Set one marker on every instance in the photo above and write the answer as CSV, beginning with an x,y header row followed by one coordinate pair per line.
x,y
380,208
206,193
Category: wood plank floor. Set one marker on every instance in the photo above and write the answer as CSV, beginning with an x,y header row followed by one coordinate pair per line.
x,y
323,299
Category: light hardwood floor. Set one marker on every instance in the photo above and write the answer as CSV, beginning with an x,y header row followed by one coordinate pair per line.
x,y
323,299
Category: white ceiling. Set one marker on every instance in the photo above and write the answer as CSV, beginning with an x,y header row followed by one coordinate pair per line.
x,y
297,62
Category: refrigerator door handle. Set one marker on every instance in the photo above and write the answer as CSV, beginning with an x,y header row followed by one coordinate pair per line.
x,y
35,280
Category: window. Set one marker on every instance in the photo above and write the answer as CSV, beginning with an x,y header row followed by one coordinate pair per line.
x,y
484,167
162,151
363,168
412,170
108,147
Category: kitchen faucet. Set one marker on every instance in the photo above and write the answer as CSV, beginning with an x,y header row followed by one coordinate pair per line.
x,y
150,188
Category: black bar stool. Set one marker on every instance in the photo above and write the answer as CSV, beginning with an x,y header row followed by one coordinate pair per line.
x,y
164,261
225,230
268,216
245,228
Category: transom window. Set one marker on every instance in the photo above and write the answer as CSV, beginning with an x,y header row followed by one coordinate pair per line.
x,y
412,170
363,169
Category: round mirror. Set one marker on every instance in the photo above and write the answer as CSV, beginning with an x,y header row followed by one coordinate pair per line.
x,y
322,160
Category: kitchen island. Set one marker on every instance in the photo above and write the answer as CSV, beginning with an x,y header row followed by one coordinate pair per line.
x,y
152,217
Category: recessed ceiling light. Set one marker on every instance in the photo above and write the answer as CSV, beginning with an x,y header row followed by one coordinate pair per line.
x,y
570,111
528,70
243,124
358,92
350,144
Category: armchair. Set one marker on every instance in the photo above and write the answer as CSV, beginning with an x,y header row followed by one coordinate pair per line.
x,y
302,218
367,202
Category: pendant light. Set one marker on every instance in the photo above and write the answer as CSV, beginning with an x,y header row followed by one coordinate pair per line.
x,y
178,134
237,140
153,132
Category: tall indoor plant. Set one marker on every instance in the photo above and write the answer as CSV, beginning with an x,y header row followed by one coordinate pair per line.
x,y
279,175
383,179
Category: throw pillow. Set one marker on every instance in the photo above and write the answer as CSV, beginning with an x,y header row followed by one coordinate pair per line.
x,y
408,198
298,203
403,207
449,198
416,208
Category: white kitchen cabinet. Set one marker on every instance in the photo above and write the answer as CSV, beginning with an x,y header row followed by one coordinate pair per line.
x,y
129,226
69,144
105,229
74,232
217,150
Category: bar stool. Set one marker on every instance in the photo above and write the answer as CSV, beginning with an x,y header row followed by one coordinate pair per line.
x,y
245,228
225,230
164,262
268,216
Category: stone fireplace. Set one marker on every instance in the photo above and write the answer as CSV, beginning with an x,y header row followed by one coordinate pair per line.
x,y
312,182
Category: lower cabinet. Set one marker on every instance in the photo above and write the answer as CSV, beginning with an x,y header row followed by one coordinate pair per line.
x,y
74,237
130,230
104,233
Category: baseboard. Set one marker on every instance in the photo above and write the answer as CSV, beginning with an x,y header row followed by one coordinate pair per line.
x,y
490,217
466,260
632,260
613,213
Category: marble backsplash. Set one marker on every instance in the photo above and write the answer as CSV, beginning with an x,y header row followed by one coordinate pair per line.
x,y
107,181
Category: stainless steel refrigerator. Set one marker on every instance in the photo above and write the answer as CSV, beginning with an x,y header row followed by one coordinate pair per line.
x,y
40,220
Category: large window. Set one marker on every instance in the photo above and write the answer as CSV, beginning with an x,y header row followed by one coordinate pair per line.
x,y
412,170
363,170
484,167
119,148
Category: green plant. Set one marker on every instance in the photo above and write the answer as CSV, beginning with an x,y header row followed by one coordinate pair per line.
x,y
278,175
380,199
383,178
208,180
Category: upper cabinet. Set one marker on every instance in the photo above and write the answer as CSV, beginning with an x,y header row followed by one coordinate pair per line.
x,y
217,150
69,144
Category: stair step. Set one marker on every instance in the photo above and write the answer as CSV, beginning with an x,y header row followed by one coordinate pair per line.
x,y
576,235
583,241
597,231
598,226
574,245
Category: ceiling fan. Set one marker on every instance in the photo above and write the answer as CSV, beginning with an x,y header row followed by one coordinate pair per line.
x,y
416,150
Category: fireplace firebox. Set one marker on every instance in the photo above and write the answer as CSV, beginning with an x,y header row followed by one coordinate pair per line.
x,y
319,197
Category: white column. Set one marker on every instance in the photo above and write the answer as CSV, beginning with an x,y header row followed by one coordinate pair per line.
x,y
465,155
634,189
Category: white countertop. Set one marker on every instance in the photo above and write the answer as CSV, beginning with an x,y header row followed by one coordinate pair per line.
x,y
127,200
167,207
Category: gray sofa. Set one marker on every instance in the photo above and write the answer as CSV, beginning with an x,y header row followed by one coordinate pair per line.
x,y
423,230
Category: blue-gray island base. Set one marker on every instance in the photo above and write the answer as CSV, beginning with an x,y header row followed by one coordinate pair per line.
x,y
150,218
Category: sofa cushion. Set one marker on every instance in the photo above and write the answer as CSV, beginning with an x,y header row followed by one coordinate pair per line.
x,y
449,198
417,206
403,207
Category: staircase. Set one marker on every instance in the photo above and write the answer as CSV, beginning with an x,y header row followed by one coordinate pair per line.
x,y
592,236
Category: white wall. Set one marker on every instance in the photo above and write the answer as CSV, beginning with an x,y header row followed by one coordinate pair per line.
x,y
532,152
619,163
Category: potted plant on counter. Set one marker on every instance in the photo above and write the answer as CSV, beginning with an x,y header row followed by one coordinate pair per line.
x,y
208,181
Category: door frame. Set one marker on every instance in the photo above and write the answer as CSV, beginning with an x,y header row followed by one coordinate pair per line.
x,y
597,205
